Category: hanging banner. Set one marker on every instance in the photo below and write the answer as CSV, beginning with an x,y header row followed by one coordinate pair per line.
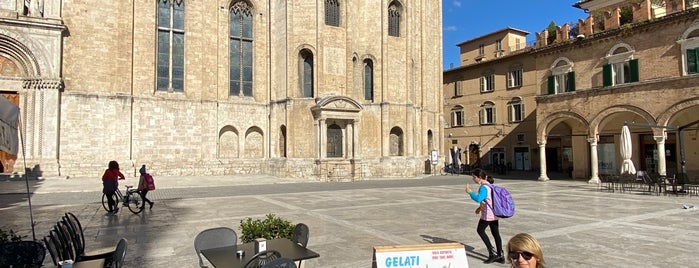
x,y
9,117
451,255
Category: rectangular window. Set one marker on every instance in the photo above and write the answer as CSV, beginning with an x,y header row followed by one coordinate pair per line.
x,y
516,112
518,44
514,78
457,118
498,45
481,50
487,115
394,14
170,59
487,83
618,73
561,83
457,89
693,61
332,13
368,80
240,50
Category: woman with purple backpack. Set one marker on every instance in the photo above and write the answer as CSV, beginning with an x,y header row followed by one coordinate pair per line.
x,y
488,219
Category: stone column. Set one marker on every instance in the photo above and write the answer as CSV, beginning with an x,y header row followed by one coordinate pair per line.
x,y
593,159
355,140
662,165
323,139
542,160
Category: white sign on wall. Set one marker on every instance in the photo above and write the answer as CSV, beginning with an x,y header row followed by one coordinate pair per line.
x,y
434,157
420,256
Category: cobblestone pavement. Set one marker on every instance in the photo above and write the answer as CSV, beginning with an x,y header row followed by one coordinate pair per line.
x,y
577,225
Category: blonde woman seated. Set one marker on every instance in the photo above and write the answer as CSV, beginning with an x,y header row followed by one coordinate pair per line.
x,y
524,251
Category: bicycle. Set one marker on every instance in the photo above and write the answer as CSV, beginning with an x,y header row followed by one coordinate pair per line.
x,y
132,200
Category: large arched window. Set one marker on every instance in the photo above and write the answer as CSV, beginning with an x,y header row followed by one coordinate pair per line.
x,y
306,72
621,67
689,45
515,110
562,78
394,16
240,49
368,79
332,12
457,116
170,70
487,113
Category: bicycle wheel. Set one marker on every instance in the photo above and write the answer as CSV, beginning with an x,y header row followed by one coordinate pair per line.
x,y
105,203
135,203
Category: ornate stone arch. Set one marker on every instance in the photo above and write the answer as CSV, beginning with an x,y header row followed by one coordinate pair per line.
x,y
688,33
545,125
666,115
244,6
597,119
23,53
612,51
568,64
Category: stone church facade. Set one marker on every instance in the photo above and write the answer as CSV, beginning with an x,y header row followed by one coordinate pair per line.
x,y
319,90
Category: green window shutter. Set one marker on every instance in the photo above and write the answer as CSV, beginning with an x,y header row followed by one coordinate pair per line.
x,y
552,85
571,81
606,75
633,64
481,115
692,61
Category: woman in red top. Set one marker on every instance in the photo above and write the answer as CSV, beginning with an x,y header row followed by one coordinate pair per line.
x,y
110,183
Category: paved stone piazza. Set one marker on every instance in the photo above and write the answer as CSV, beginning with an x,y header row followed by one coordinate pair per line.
x,y
577,225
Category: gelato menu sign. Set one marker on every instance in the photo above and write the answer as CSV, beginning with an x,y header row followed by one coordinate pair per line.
x,y
447,255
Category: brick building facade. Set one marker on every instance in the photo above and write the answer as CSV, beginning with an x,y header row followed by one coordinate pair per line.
x,y
630,63
320,90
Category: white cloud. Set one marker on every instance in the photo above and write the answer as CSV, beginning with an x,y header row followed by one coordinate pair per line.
x,y
456,3
450,29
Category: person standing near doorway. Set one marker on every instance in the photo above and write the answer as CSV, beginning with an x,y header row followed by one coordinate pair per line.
x,y
484,197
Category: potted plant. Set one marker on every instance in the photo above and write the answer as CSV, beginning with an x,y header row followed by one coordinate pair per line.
x,y
269,228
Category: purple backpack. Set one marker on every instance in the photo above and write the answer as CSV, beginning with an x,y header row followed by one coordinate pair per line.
x,y
503,205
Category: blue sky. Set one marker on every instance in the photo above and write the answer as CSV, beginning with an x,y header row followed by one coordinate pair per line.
x,y
464,20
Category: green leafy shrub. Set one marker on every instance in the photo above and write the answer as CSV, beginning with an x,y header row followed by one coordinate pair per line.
x,y
269,228
9,236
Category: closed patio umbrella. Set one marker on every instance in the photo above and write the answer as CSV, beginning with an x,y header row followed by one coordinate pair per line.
x,y
457,156
626,148
449,160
